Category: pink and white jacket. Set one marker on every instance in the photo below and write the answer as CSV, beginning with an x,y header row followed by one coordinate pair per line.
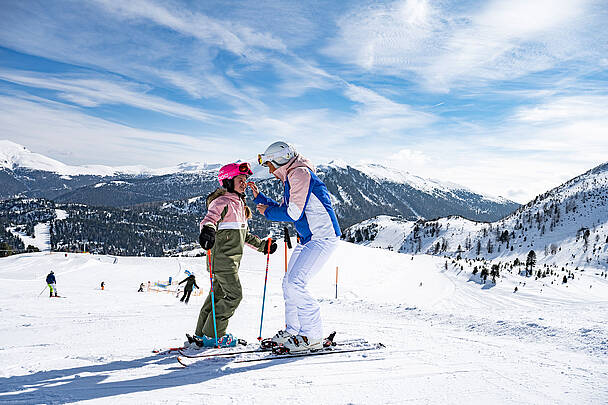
x,y
306,202
227,214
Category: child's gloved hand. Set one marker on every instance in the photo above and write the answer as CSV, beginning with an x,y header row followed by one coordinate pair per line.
x,y
273,247
207,237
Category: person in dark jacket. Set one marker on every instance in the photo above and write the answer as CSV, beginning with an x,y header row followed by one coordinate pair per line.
x,y
52,283
190,283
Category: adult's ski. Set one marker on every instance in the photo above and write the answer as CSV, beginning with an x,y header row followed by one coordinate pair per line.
x,y
321,352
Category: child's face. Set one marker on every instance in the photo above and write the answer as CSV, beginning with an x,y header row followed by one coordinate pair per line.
x,y
240,183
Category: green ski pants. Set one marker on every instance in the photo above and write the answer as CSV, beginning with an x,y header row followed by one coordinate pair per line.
x,y
228,295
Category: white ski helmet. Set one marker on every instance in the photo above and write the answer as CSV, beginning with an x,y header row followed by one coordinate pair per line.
x,y
279,153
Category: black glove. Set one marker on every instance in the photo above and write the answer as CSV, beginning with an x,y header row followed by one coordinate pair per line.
x,y
207,237
273,247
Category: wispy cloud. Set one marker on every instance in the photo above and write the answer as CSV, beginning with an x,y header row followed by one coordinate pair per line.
x,y
73,137
92,92
565,108
240,40
452,43
503,97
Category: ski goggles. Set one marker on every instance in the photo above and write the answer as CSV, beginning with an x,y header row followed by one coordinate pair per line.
x,y
244,168
261,159
264,159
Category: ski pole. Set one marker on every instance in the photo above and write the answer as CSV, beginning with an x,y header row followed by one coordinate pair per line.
x,y
336,282
287,244
265,282
212,298
42,291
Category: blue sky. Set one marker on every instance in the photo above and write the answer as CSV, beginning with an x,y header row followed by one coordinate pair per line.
x,y
506,97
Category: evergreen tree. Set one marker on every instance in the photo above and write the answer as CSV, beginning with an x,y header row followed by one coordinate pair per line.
x,y
530,261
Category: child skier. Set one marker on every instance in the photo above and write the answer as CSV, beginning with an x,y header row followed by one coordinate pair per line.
x,y
52,283
190,283
226,223
306,202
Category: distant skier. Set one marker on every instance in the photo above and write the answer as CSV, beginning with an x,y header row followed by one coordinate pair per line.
x,y
52,283
103,285
190,283
141,288
306,202
226,218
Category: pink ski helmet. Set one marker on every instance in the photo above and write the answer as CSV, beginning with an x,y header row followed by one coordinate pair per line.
x,y
231,170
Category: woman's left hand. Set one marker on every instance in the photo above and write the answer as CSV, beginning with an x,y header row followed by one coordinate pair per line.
x,y
262,208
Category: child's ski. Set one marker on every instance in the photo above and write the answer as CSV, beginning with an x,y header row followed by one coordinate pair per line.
x,y
168,351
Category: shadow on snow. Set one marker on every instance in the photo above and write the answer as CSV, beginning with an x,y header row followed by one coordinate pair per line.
x,y
65,386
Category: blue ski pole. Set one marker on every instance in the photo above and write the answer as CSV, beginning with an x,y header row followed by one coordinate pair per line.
x,y
265,282
212,298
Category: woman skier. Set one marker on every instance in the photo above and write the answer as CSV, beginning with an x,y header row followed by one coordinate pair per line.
x,y
226,223
306,202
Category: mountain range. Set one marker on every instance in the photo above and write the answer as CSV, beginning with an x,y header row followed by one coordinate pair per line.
x,y
134,210
567,225
359,192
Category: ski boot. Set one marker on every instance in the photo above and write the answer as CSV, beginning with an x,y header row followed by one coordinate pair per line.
x,y
204,341
280,338
299,344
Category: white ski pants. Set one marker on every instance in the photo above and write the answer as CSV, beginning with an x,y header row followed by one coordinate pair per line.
x,y
302,312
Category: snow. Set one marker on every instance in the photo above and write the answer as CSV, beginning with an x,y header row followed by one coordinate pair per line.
x,y
449,340
61,214
382,173
13,155
41,239
587,192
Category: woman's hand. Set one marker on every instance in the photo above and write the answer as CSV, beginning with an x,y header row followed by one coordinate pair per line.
x,y
262,208
254,188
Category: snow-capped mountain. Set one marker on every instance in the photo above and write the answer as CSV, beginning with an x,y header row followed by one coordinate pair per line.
x,y
14,156
28,174
363,191
566,225
359,192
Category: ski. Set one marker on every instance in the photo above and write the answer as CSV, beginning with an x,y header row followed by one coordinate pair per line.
x,y
168,351
321,352
329,343
337,347
225,353
184,361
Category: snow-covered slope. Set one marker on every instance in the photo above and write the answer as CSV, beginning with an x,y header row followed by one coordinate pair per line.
x,y
449,340
565,226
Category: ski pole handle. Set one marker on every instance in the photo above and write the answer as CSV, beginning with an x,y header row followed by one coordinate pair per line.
x,y
287,237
